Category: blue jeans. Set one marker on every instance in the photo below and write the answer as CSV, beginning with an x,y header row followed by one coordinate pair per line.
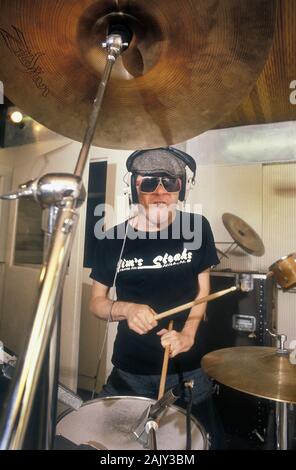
x,y
123,383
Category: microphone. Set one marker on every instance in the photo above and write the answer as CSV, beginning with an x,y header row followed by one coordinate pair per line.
x,y
142,427
168,399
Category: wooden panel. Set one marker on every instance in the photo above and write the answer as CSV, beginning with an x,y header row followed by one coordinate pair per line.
x,y
279,212
269,99
279,230
287,315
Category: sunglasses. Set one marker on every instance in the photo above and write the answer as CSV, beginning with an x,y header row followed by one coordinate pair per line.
x,y
150,183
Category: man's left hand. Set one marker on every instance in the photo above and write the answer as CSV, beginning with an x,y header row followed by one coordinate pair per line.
x,y
179,341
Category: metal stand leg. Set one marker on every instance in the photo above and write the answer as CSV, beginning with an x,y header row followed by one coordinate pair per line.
x,y
60,193
281,426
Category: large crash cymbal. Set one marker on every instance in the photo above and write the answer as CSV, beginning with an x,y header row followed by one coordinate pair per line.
x,y
190,63
243,234
255,370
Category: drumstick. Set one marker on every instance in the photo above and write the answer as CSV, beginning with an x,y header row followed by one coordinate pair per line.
x,y
164,366
207,298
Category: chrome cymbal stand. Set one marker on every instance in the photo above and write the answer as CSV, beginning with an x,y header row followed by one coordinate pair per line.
x,y
61,194
281,422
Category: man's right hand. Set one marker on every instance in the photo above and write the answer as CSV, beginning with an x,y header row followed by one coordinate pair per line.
x,y
140,318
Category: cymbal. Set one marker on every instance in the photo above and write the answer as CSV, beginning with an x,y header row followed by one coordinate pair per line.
x,y
255,370
243,234
189,64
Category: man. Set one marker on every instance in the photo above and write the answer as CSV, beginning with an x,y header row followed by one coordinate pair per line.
x,y
162,261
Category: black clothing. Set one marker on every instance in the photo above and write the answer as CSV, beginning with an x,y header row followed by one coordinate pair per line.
x,y
159,269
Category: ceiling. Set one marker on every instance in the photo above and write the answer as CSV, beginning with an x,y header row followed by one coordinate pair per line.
x,y
269,99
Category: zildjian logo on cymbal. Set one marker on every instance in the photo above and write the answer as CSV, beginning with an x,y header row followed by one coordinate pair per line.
x,y
29,60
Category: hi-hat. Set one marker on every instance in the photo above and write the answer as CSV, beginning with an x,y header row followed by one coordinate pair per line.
x,y
189,64
256,370
244,235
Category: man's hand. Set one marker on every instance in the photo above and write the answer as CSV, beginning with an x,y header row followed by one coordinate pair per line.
x,y
140,318
178,341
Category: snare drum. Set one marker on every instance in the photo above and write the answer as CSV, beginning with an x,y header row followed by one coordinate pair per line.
x,y
284,271
107,423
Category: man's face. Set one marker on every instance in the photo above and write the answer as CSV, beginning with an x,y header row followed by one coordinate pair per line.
x,y
158,206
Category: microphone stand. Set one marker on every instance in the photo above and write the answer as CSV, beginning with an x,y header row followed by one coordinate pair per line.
x,y
64,192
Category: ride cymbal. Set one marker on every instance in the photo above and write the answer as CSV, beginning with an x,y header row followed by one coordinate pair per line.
x,y
243,234
255,370
189,63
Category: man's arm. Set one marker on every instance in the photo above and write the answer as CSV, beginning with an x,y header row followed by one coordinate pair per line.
x,y
140,318
183,341
198,311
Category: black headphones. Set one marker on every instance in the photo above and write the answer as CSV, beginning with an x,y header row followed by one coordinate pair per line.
x,y
187,159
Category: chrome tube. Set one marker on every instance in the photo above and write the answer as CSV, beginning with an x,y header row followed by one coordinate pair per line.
x,y
114,46
20,404
49,192
52,372
281,426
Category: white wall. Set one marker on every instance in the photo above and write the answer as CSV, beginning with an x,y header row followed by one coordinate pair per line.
x,y
261,194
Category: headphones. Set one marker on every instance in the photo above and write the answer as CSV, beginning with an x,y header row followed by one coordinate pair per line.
x,y
187,183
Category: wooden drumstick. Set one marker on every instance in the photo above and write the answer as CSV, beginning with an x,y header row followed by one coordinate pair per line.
x,y
165,363
207,298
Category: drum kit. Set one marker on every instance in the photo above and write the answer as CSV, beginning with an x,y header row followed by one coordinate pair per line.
x,y
158,71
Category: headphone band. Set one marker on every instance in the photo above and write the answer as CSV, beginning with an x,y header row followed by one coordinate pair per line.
x,y
179,154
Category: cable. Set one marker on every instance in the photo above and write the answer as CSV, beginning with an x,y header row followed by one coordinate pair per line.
x,y
109,319
189,386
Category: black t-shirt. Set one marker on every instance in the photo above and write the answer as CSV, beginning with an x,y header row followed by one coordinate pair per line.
x,y
158,269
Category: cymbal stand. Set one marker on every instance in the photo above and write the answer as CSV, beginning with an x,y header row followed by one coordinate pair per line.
x,y
281,426
281,423
225,253
65,192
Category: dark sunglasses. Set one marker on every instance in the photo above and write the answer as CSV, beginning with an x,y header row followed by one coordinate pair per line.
x,y
150,183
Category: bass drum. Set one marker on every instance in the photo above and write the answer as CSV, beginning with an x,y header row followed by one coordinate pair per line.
x,y
107,424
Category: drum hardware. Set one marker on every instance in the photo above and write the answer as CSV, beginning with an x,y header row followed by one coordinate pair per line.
x,y
65,395
243,235
53,193
245,282
69,398
261,371
281,339
153,414
151,428
223,255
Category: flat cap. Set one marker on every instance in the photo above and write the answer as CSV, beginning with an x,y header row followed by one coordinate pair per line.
x,y
153,161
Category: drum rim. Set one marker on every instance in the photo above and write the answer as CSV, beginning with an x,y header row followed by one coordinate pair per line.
x,y
116,397
282,259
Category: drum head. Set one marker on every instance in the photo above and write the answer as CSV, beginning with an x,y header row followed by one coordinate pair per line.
x,y
107,423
